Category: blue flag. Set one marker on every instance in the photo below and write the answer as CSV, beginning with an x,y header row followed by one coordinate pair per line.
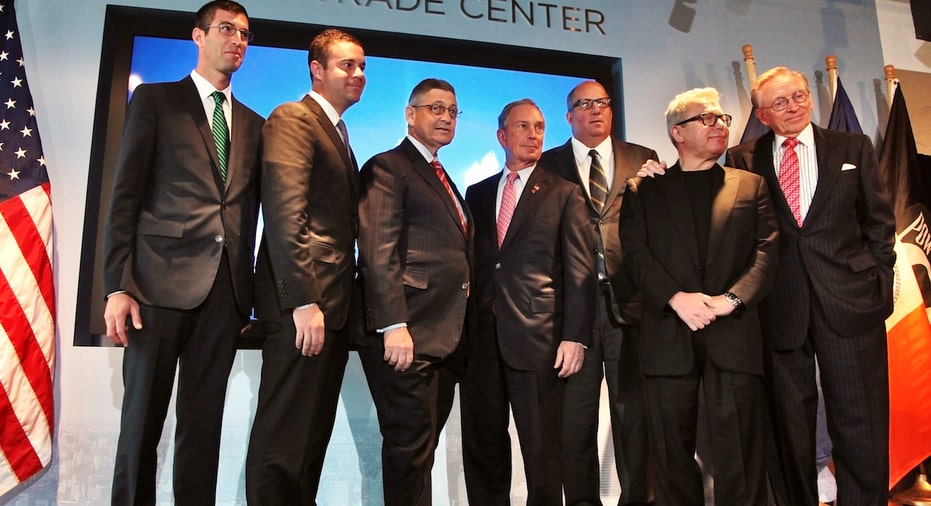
x,y
843,118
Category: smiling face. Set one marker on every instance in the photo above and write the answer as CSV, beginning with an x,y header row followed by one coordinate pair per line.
x,y
341,78
431,130
790,121
522,136
220,55
593,125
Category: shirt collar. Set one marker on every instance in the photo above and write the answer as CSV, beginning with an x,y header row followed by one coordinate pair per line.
x,y
326,106
427,155
581,150
205,89
806,137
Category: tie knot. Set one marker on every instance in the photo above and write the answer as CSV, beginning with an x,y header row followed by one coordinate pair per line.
x,y
512,176
218,97
790,143
436,164
594,154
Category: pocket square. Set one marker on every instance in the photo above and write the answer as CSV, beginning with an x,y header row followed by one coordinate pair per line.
x,y
847,166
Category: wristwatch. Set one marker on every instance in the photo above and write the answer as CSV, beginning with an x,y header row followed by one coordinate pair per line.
x,y
734,300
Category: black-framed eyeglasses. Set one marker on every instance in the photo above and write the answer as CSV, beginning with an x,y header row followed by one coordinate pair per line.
x,y
230,30
781,103
438,109
587,103
709,119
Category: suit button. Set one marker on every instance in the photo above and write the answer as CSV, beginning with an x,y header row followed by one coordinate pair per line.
x,y
224,205
498,265
218,239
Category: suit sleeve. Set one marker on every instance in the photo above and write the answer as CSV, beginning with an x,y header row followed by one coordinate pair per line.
x,y
133,169
578,244
649,275
756,279
381,218
287,173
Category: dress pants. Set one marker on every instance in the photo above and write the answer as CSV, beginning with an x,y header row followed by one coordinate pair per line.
x,y
198,344
855,383
412,407
298,398
734,405
613,355
490,387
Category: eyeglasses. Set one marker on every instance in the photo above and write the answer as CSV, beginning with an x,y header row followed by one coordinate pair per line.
x,y
587,103
709,119
230,30
781,103
439,109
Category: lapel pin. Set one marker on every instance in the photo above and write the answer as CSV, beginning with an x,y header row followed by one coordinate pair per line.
x,y
535,188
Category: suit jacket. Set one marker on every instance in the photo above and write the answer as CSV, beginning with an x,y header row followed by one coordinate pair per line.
x,y
625,300
414,256
539,288
310,195
171,216
661,253
842,255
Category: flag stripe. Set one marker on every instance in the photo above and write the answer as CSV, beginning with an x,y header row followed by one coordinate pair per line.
x,y
29,231
14,443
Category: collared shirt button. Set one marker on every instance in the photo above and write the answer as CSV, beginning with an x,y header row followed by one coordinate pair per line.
x,y
218,239
498,265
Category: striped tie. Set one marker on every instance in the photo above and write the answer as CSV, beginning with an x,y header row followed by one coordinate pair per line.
x,y
221,133
597,182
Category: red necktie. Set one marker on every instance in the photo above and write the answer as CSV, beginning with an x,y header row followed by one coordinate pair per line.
x,y
789,179
508,203
440,173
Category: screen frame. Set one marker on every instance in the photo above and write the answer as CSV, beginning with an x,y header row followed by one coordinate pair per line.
x,y
122,24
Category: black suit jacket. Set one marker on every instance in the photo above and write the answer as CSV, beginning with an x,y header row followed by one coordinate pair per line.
x,y
661,252
842,255
171,217
414,256
539,289
310,195
628,158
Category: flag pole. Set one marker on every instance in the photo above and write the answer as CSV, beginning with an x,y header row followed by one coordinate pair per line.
x,y
830,61
889,70
751,63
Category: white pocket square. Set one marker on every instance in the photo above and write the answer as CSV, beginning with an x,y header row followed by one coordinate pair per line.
x,y
847,166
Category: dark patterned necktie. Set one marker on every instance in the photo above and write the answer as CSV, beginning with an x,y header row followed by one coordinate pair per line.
x,y
221,133
597,182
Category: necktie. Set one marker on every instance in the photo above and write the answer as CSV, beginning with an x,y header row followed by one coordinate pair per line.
x,y
441,174
508,203
789,178
341,126
221,133
597,182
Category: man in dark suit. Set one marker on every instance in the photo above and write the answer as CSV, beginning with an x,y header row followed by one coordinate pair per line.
x,y
178,256
831,295
700,244
601,165
535,279
304,274
415,263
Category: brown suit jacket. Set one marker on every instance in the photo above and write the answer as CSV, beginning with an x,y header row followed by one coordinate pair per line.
x,y
414,256
310,195
661,253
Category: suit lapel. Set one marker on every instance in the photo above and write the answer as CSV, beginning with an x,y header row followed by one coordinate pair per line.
x,y
486,193
827,171
724,188
428,173
349,161
622,172
196,108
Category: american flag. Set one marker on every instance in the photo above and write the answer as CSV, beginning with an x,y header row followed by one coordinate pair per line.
x,y
27,291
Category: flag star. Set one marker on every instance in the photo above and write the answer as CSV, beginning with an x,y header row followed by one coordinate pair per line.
x,y
9,34
41,161
13,173
10,103
1,146
4,56
26,132
1,7
17,82
21,62
31,111
20,153
4,125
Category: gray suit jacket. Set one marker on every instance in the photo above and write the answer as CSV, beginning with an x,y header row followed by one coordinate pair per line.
x,y
539,288
171,217
414,256
310,195
661,252
842,255
625,300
